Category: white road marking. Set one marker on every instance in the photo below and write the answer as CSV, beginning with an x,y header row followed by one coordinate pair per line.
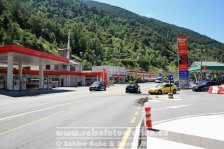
x,y
176,107
44,109
171,107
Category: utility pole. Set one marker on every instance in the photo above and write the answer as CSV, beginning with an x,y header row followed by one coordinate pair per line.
x,y
201,65
220,57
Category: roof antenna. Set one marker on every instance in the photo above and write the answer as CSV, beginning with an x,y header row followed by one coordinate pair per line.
x,y
68,55
68,44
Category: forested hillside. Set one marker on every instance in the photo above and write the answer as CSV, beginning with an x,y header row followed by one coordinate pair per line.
x,y
100,34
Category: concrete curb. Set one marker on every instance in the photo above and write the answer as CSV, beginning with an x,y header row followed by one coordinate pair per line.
x,y
137,137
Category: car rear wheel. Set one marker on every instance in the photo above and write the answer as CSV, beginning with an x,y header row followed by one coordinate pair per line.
x,y
160,92
174,91
90,90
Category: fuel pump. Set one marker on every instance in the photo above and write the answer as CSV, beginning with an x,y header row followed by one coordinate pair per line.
x,y
16,85
23,84
45,83
49,83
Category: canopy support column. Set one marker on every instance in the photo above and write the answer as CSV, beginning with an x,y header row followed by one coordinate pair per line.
x,y
97,78
68,77
195,76
20,75
41,75
20,71
10,73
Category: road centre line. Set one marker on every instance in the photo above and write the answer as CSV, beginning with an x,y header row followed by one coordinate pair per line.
x,y
30,123
133,120
128,131
125,138
44,109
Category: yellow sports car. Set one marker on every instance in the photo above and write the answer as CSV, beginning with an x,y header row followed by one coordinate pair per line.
x,y
162,88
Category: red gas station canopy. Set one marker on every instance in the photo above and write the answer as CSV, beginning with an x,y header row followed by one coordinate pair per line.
x,y
29,56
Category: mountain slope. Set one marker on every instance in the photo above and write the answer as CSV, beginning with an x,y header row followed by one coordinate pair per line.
x,y
100,33
156,25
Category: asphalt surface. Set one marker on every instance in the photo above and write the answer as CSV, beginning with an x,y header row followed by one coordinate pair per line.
x,y
70,119
190,104
76,118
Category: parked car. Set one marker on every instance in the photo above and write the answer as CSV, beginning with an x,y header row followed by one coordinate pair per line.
x,y
133,88
97,85
204,85
162,88
139,80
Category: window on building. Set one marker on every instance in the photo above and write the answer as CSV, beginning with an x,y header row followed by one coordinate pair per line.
x,y
48,67
26,68
72,68
64,66
56,67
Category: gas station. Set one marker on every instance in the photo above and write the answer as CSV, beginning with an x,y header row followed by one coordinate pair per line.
x,y
207,70
24,68
16,56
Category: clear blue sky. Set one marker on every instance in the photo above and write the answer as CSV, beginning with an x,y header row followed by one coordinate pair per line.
x,y
203,16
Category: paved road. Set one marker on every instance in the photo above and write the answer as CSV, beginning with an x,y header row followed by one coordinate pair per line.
x,y
71,117
64,119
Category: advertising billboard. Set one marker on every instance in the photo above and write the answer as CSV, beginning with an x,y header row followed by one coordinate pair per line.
x,y
182,48
182,45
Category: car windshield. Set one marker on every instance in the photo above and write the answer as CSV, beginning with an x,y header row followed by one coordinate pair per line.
x,y
159,85
131,85
203,82
96,83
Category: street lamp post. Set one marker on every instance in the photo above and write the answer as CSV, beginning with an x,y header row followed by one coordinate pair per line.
x,y
201,65
220,57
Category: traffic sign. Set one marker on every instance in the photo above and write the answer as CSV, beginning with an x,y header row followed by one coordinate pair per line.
x,y
171,77
183,74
